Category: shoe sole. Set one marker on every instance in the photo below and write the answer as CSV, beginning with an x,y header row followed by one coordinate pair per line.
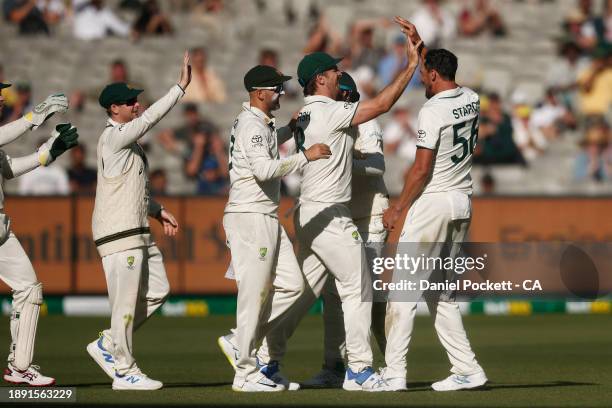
x,y
27,383
238,389
92,349
136,389
476,387
230,360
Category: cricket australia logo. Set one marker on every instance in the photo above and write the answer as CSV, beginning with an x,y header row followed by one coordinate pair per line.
x,y
355,235
262,253
130,262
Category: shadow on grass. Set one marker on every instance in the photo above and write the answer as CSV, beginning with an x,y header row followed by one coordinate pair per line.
x,y
166,385
426,386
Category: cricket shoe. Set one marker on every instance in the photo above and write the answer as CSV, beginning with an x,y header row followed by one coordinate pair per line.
x,y
135,380
102,357
365,380
456,382
392,383
259,384
229,349
31,376
272,372
326,378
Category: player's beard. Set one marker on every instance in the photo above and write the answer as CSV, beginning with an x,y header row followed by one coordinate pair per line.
x,y
275,102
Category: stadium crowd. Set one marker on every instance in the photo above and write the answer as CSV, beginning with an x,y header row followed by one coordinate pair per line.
x,y
514,130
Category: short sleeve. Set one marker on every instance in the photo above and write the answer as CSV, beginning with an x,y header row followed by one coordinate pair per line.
x,y
341,114
428,132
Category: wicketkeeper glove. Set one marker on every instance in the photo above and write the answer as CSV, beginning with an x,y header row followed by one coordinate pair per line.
x,y
63,138
44,110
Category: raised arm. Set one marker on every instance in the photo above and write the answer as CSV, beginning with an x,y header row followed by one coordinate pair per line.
x,y
57,103
382,102
132,131
63,138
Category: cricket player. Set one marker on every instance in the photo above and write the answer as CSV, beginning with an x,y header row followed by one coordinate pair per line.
x,y
15,268
265,267
329,241
368,202
133,266
437,191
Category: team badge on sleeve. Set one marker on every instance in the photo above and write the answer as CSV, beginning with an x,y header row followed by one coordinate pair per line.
x,y
262,253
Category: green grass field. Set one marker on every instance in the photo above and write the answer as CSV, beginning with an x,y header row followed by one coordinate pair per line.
x,y
535,361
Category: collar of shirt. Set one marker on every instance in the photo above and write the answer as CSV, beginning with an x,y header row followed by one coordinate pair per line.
x,y
448,93
317,98
270,121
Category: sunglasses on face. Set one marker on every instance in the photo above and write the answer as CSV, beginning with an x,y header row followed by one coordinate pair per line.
x,y
279,89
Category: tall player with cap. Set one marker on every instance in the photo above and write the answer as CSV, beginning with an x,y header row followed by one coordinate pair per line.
x,y
133,265
368,202
328,238
15,268
437,192
265,267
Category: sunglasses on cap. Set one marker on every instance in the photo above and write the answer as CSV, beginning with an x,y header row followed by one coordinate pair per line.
x,y
130,102
279,89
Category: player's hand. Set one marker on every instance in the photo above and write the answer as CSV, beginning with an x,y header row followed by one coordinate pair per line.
x,y
317,151
64,137
414,40
409,29
169,223
390,217
44,110
185,78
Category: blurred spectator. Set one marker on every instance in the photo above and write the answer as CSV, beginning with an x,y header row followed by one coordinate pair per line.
x,y
595,92
579,25
9,95
205,86
82,178
395,60
363,49
118,72
210,6
45,180
208,164
177,141
434,23
399,136
551,117
158,182
151,21
480,18
364,76
594,161
487,184
27,14
495,142
53,10
22,103
528,138
268,56
93,21
603,25
563,72
322,37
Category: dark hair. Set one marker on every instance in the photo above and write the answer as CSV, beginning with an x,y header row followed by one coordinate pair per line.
x,y
311,87
443,61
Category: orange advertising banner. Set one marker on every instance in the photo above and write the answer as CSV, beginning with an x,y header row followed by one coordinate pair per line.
x,y
56,234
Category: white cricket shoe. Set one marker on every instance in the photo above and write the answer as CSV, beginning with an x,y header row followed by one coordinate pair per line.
x,y
136,380
260,384
229,349
326,378
102,357
456,382
31,376
365,380
390,383
272,372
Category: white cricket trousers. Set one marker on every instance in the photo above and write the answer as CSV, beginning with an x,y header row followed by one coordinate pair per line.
x,y
329,243
137,286
268,278
17,272
433,218
374,235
